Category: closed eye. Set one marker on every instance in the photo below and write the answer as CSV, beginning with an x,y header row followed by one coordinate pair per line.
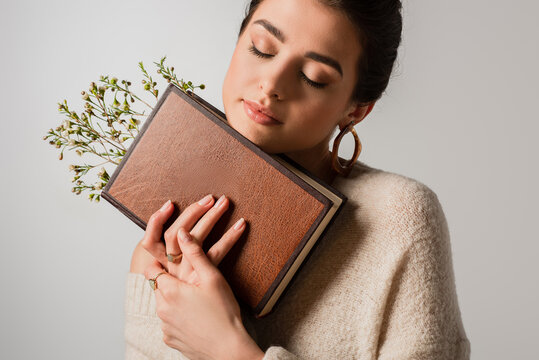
x,y
256,52
260,54
310,82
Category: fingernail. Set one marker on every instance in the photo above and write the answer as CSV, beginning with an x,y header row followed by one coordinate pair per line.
x,y
165,206
239,224
205,200
220,201
184,236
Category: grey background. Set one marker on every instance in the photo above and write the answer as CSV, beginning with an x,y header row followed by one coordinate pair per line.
x,y
460,115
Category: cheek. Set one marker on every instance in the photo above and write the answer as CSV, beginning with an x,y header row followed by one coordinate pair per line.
x,y
232,84
231,78
240,69
238,80
320,117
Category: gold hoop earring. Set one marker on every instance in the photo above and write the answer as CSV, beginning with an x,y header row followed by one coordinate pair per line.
x,y
335,163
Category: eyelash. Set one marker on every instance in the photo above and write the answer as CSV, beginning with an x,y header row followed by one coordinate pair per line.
x,y
259,54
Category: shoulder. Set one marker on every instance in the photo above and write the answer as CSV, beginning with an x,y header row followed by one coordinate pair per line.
x,y
393,192
404,207
389,185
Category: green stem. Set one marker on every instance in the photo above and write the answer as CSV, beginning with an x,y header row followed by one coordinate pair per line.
x,y
135,96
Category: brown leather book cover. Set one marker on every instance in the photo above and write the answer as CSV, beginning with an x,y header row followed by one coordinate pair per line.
x,y
185,150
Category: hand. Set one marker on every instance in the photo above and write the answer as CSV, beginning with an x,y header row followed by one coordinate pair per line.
x,y
199,228
202,320
200,316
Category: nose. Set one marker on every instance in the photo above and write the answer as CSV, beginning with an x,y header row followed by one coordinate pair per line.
x,y
272,82
270,89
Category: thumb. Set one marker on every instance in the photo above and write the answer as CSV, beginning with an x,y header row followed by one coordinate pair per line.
x,y
193,252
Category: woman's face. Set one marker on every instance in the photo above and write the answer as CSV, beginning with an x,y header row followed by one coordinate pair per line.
x,y
297,59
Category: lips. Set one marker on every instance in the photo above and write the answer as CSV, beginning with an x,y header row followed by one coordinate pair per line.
x,y
259,112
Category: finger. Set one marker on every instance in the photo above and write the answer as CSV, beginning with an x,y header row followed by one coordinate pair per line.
x,y
219,250
153,269
165,282
152,236
202,229
193,252
172,248
207,222
188,217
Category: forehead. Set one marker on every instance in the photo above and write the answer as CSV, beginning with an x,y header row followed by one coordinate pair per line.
x,y
311,25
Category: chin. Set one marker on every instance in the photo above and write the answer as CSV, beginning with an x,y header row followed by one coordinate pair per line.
x,y
265,141
262,136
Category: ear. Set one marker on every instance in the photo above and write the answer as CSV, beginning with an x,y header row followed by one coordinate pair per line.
x,y
356,113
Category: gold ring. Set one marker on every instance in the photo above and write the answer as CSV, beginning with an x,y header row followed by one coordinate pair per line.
x,y
173,258
153,282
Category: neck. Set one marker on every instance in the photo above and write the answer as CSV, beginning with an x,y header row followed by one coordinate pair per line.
x,y
316,160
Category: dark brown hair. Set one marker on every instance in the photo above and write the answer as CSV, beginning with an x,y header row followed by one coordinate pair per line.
x,y
379,26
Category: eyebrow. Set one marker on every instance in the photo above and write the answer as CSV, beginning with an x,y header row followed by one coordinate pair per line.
x,y
309,54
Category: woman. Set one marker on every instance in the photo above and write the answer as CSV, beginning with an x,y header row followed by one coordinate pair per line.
x,y
380,284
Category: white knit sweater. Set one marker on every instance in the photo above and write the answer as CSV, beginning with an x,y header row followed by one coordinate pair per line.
x,y
379,285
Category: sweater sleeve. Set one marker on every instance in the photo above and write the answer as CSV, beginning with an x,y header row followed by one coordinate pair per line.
x,y
422,318
278,353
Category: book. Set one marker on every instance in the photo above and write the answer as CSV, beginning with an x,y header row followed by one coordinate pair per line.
x,y
185,150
